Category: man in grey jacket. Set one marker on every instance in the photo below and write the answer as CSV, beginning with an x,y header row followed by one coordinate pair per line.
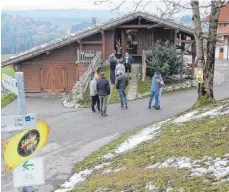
x,y
94,94
121,84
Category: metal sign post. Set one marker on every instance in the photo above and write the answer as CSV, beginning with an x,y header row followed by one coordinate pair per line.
x,y
19,76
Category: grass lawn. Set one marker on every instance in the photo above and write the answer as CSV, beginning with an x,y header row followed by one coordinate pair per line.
x,y
194,139
7,99
8,70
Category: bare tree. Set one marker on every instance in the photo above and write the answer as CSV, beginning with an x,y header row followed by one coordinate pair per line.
x,y
205,89
173,7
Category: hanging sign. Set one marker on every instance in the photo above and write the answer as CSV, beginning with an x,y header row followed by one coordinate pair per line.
x,y
24,145
199,75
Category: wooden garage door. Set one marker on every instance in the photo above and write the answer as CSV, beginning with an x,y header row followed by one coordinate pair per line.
x,y
53,78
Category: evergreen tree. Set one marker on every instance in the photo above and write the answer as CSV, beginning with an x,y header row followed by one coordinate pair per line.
x,y
163,58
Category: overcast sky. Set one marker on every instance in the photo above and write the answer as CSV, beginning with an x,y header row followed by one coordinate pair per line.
x,y
80,4
69,4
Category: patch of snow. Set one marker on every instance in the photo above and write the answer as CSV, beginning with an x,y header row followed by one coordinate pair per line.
x,y
108,156
78,177
145,135
208,113
75,179
101,166
198,171
218,167
150,187
107,171
169,189
185,118
211,113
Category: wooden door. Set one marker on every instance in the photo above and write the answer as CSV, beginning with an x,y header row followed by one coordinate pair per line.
x,y
53,78
221,54
59,78
46,78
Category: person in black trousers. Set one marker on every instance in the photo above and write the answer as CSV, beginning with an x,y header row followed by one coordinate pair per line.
x,y
103,89
113,62
94,94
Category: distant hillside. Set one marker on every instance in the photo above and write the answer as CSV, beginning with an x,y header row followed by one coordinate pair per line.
x,y
66,18
22,33
22,30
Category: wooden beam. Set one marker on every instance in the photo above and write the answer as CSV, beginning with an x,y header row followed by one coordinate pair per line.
x,y
185,41
81,45
103,45
133,26
175,38
168,28
154,25
139,21
123,41
92,42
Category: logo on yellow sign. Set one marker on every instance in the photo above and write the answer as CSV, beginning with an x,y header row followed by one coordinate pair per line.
x,y
24,145
199,75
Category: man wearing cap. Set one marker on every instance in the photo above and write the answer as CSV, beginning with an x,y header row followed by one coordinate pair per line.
x,y
103,90
121,84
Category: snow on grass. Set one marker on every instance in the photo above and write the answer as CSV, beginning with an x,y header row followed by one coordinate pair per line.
x,y
145,135
78,177
107,171
194,115
185,118
150,187
218,167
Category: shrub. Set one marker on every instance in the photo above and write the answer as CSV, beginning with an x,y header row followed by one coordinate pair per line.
x,y
163,58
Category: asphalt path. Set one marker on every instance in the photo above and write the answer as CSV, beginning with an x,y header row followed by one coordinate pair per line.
x,y
75,133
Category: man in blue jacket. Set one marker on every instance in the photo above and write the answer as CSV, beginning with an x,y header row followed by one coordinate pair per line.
x,y
154,92
128,60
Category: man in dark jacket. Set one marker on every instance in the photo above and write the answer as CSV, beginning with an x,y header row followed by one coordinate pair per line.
x,y
103,90
113,62
128,60
121,84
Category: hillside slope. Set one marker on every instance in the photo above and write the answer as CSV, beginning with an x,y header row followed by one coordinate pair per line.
x,y
22,33
188,153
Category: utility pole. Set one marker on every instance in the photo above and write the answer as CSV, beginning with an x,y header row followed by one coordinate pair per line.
x,y
19,76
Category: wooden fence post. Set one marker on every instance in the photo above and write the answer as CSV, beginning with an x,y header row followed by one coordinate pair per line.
x,y
143,66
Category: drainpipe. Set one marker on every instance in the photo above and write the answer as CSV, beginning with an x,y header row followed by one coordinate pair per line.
x,y
227,47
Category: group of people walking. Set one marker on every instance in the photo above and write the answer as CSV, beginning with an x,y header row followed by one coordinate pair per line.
x,y
120,72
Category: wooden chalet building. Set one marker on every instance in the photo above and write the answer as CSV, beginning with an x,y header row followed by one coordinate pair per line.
x,y
58,65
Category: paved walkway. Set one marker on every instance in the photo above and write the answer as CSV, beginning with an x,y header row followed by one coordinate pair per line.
x,y
132,91
76,133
